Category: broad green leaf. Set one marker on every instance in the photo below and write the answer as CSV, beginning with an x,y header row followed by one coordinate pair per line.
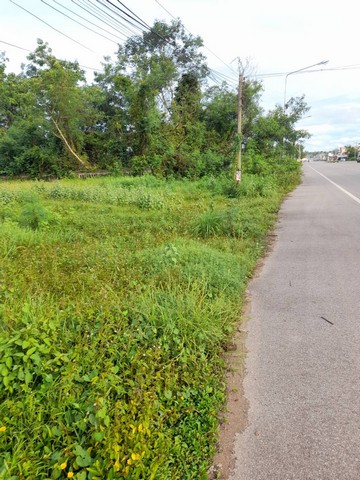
x,y
9,362
28,377
98,436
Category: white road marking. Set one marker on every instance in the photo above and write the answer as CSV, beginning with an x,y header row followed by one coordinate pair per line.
x,y
338,186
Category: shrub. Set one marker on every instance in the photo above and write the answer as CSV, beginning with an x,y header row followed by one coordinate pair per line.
x,y
33,215
6,197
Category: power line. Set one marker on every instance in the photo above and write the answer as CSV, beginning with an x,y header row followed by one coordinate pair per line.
x,y
27,50
119,24
344,67
213,77
135,15
171,15
98,11
79,23
53,28
87,20
143,25
225,77
15,46
283,74
137,24
219,80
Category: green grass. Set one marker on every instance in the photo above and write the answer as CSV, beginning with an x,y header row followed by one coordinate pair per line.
x,y
117,297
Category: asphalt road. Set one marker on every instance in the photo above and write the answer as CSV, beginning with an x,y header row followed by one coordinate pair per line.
x,y
303,363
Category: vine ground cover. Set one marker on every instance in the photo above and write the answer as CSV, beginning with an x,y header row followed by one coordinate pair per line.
x,y
117,299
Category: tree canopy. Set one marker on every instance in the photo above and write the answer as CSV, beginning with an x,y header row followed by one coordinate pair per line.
x,y
153,109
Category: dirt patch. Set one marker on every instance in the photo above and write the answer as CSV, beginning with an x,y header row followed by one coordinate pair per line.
x,y
235,417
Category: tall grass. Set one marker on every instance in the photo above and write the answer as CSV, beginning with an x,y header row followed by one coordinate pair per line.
x,y
117,297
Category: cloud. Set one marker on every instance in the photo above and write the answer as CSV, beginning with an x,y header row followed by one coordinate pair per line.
x,y
336,123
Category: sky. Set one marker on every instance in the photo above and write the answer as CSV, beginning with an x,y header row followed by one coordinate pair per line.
x,y
277,37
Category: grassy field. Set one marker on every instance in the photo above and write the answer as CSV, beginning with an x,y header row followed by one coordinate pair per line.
x,y
117,299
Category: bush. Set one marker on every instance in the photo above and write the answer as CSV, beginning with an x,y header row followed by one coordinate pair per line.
x,y
32,214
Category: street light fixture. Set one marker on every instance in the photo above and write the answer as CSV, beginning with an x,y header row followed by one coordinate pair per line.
x,y
324,62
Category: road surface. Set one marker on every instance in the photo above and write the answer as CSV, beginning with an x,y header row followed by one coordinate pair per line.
x,y
302,377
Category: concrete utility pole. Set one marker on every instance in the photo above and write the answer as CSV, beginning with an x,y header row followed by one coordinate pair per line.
x,y
239,122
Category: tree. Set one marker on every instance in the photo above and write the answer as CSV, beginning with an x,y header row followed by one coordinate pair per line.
x,y
24,144
352,152
107,141
146,98
220,117
12,95
160,57
149,111
276,133
56,86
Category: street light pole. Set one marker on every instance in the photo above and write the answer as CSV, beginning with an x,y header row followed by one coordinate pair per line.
x,y
324,62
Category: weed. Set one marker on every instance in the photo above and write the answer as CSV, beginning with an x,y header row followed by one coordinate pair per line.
x,y
113,321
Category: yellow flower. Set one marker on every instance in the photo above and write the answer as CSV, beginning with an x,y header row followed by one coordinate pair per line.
x,y
3,429
70,475
63,466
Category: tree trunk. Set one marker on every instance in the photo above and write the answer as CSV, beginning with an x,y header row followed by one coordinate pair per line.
x,y
67,145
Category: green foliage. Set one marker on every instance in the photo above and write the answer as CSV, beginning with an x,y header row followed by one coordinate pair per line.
x,y
114,320
6,197
250,186
231,222
254,186
149,111
117,193
32,214
352,152
275,133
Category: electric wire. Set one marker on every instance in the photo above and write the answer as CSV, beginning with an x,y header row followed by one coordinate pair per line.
x,y
27,50
96,11
207,48
143,26
214,75
136,25
215,79
53,28
76,21
87,20
225,77
134,14
15,46
283,74
125,28
140,22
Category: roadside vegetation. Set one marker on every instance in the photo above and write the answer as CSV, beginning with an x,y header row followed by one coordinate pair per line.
x,y
117,298
155,109
119,294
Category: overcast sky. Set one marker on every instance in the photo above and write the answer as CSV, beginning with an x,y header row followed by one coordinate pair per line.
x,y
275,37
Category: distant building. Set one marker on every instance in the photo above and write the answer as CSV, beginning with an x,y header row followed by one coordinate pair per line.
x,y
340,156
